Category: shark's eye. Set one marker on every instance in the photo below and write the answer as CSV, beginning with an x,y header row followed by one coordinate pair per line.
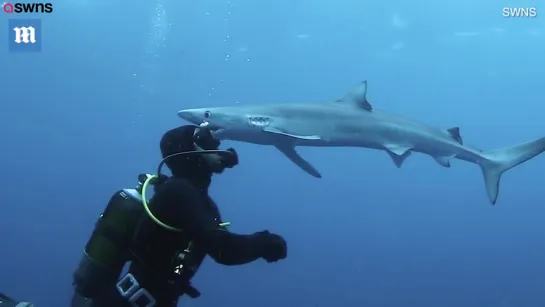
x,y
206,114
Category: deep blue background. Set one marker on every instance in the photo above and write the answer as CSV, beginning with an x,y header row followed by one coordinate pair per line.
x,y
81,119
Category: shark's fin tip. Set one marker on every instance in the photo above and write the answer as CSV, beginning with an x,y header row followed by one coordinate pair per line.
x,y
398,150
444,160
289,151
454,133
358,97
399,159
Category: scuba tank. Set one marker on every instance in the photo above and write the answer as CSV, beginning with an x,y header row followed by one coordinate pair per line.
x,y
108,248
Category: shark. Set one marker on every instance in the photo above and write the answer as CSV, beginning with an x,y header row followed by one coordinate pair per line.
x,y
351,121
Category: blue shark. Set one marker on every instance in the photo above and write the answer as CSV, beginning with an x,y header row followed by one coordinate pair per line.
x,y
351,121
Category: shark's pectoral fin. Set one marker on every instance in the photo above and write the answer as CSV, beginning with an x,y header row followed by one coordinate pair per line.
x,y
358,97
455,134
398,150
219,134
398,160
301,137
444,160
289,151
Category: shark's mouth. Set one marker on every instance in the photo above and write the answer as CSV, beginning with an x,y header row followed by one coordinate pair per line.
x,y
209,126
217,131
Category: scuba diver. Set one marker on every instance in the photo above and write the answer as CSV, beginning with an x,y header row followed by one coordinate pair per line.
x,y
6,301
165,241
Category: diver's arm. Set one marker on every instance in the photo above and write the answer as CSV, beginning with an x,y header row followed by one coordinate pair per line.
x,y
224,247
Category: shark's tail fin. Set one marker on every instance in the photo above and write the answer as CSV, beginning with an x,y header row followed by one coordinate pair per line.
x,y
497,161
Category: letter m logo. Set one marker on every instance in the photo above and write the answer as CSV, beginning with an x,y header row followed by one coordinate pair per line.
x,y
25,35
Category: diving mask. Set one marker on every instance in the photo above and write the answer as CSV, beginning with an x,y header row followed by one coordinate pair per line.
x,y
204,141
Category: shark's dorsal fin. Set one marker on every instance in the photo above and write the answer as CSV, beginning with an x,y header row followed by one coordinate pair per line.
x,y
358,97
454,132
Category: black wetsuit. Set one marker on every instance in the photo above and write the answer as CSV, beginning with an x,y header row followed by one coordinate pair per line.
x,y
196,213
161,260
180,204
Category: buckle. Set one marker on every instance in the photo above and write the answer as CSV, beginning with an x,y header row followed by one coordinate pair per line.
x,y
130,289
127,286
142,298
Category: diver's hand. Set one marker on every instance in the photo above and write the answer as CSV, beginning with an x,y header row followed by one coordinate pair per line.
x,y
274,247
231,160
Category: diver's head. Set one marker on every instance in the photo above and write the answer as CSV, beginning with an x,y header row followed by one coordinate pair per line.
x,y
186,151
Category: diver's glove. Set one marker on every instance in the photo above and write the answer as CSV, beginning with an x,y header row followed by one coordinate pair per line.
x,y
230,160
190,290
274,247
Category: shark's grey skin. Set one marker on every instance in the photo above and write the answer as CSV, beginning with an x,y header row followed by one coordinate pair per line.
x,y
352,122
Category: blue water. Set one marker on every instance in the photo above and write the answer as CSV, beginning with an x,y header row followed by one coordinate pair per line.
x,y
81,119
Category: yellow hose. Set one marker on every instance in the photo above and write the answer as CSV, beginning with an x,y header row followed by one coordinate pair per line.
x,y
150,214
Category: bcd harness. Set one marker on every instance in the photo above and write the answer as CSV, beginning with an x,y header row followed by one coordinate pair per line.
x,y
128,286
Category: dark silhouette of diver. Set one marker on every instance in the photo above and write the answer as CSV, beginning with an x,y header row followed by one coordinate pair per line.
x,y
165,241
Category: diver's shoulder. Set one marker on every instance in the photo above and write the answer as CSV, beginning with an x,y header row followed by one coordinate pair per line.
x,y
177,184
173,190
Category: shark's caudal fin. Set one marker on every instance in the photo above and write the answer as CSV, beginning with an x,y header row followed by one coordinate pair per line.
x,y
497,161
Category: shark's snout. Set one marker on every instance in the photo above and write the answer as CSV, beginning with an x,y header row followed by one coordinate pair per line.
x,y
198,117
190,116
